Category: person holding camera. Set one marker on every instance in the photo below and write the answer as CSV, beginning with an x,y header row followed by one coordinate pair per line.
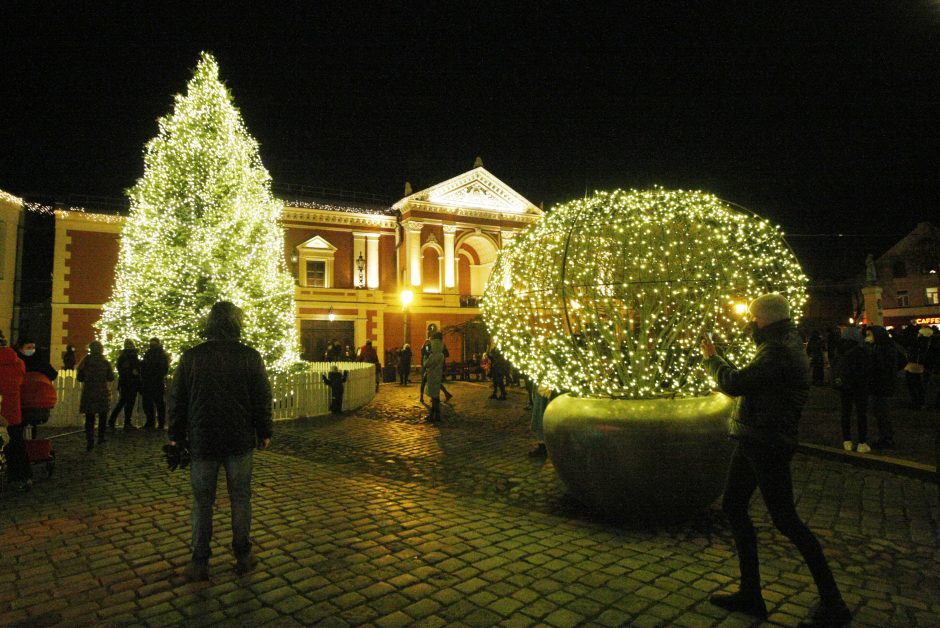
x,y
773,389
220,411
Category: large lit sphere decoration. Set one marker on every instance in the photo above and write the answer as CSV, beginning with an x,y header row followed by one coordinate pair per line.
x,y
609,296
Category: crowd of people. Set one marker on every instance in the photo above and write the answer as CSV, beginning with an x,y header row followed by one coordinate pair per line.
x,y
865,365
29,395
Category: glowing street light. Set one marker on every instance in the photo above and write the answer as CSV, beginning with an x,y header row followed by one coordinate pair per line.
x,y
407,296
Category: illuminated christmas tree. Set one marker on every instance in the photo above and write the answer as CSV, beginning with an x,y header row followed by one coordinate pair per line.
x,y
203,227
609,296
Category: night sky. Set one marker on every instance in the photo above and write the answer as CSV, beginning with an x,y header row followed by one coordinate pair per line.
x,y
822,115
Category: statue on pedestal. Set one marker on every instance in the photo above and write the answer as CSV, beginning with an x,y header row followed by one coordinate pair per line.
x,y
871,277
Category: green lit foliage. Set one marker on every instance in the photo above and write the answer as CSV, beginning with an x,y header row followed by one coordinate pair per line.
x,y
610,295
203,227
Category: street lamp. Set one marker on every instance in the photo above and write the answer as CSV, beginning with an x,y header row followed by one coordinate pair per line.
x,y
330,315
406,297
361,265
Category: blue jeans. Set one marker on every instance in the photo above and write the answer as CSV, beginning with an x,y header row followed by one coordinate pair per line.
x,y
204,474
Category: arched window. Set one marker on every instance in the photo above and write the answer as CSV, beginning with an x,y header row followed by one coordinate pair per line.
x,y
432,259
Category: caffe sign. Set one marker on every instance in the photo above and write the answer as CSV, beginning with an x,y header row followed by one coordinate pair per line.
x,y
927,320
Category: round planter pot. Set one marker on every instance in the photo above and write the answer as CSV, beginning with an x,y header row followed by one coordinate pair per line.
x,y
641,458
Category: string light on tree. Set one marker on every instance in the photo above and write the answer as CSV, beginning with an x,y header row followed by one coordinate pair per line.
x,y
203,226
609,296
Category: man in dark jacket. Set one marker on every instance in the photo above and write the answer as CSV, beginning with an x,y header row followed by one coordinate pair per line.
x,y
887,359
773,389
153,370
220,405
128,368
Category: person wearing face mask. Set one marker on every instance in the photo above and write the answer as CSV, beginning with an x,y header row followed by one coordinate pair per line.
x,y
773,389
887,360
37,395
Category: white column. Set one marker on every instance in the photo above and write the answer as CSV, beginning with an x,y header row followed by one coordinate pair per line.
x,y
413,238
372,260
449,275
359,248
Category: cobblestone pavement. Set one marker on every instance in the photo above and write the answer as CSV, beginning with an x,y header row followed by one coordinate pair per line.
x,y
376,518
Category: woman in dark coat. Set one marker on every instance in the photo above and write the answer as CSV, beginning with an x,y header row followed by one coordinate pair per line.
x,y
404,365
95,374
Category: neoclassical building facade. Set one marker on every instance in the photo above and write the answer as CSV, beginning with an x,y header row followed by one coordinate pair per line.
x,y
355,266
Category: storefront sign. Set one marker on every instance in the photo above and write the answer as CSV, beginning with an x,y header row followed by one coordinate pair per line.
x,y
927,320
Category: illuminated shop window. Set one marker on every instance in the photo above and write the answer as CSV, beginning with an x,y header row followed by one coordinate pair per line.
x,y
933,298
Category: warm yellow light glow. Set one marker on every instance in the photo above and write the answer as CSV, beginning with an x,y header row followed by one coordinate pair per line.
x,y
407,296
740,308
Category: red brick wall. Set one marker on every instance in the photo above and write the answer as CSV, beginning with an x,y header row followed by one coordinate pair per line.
x,y
93,257
79,330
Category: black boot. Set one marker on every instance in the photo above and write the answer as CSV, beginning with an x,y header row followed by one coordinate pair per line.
x,y
832,613
741,602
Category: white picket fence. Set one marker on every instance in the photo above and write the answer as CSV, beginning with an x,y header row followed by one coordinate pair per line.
x,y
295,394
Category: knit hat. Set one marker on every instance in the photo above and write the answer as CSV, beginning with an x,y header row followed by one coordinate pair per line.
x,y
770,308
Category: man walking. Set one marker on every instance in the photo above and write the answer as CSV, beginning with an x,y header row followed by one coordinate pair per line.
x,y
220,405
773,389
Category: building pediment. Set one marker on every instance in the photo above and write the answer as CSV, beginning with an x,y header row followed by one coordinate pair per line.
x,y
477,189
318,244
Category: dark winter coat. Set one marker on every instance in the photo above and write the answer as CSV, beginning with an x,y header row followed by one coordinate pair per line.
x,y
773,387
128,368
35,364
220,400
499,366
924,350
95,373
852,368
816,348
404,359
68,359
887,360
153,369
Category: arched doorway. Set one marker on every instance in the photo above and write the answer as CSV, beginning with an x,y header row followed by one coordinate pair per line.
x,y
476,254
